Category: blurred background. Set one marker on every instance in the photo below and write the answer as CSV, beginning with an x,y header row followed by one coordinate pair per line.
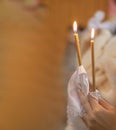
x,y
34,37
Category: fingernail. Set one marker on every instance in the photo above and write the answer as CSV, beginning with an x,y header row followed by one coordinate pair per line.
x,y
89,95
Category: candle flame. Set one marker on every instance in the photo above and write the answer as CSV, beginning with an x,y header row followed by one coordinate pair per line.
x,y
92,33
75,26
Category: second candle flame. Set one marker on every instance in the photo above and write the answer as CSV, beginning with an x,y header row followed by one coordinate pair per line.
x,y
75,26
92,33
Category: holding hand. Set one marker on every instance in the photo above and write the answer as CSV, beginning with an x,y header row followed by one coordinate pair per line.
x,y
99,115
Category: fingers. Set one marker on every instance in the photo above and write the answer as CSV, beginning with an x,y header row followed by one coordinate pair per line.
x,y
85,119
104,104
93,111
93,101
84,102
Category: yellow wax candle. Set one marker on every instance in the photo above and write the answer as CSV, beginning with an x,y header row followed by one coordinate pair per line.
x,y
77,43
92,58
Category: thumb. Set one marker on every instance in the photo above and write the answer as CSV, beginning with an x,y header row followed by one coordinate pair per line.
x,y
105,104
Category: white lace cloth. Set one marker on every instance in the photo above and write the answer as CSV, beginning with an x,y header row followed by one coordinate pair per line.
x,y
75,110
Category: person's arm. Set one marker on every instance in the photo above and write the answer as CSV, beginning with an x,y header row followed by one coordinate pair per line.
x,y
99,115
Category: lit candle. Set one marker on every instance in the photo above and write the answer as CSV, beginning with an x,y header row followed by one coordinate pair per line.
x,y
77,43
92,58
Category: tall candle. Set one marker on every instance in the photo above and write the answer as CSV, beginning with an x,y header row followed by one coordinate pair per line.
x,y
77,43
93,58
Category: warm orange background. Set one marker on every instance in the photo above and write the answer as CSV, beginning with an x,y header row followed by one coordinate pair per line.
x,y
32,91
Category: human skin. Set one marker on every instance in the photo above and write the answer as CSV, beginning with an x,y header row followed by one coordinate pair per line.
x,y
99,115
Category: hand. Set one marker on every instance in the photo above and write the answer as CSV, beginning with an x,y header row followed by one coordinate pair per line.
x,y
99,114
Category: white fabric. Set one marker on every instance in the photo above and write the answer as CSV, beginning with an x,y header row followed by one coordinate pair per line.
x,y
75,110
97,23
